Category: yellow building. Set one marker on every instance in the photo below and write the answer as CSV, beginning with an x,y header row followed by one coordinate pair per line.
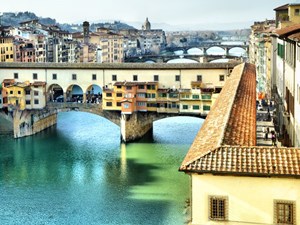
x,y
16,95
6,49
25,95
287,15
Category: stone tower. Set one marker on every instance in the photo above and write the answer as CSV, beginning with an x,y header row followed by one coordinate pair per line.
x,y
86,32
147,25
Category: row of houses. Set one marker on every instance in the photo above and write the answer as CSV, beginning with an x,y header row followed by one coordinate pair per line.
x,y
36,42
275,49
129,97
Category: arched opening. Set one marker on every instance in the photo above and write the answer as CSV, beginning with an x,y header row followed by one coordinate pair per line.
x,y
55,93
195,51
237,51
220,60
182,60
150,61
74,93
93,94
216,51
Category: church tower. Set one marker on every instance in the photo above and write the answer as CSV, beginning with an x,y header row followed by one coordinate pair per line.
x,y
86,32
147,25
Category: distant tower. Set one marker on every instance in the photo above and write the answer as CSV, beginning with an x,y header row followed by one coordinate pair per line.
x,y
86,32
147,25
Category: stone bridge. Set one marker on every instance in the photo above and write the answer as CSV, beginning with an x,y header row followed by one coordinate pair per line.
x,y
132,126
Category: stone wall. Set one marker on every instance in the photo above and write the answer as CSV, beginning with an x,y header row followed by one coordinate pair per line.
x,y
29,122
134,126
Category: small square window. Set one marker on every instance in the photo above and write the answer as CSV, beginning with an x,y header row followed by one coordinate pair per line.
x,y
36,101
199,77
16,75
74,77
28,102
218,208
156,78
114,77
36,93
222,78
19,92
284,212
297,12
34,76
108,103
177,78
94,77
135,77
54,76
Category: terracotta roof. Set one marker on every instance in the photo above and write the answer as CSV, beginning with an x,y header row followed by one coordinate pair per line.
x,y
283,7
261,161
8,81
231,120
286,31
295,37
39,83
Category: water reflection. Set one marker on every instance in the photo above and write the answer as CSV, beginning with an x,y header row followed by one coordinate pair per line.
x,y
78,173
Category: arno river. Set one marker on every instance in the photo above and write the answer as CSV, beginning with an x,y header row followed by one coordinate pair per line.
x,y
78,173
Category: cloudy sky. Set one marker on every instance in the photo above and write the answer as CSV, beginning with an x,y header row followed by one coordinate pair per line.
x,y
174,12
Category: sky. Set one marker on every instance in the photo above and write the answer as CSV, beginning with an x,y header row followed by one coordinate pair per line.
x,y
173,12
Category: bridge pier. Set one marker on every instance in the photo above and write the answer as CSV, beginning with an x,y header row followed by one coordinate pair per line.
x,y
29,122
134,126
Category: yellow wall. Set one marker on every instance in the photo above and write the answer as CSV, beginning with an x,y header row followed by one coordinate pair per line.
x,y
292,16
250,199
16,95
6,49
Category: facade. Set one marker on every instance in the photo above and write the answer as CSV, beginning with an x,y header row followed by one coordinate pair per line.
x,y
285,85
26,95
233,181
6,49
260,48
287,15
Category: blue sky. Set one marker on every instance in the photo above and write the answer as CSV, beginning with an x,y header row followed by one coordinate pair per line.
x,y
174,12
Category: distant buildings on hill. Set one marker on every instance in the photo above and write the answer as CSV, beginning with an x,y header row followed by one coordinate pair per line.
x,y
36,42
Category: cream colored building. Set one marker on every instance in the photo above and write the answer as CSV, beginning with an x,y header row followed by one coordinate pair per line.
x,y
6,49
232,180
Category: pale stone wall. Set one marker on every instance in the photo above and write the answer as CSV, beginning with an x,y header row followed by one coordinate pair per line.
x,y
135,126
250,199
297,98
29,122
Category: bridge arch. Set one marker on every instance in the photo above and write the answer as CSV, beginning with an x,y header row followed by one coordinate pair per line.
x,y
182,60
216,50
93,93
74,93
237,51
195,51
55,91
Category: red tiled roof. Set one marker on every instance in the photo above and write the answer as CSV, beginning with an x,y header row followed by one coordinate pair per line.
x,y
232,119
295,37
39,83
286,31
261,161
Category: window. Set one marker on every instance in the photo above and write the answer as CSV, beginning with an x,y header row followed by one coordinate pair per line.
x,y
36,101
195,96
108,95
128,87
206,107
119,95
28,102
11,92
119,104
54,76
221,78
141,87
218,208
19,92
199,77
196,107
108,103
94,77
284,212
135,77
297,12
177,77
74,76
114,77
126,106
16,75
34,76
185,107
36,93
155,78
